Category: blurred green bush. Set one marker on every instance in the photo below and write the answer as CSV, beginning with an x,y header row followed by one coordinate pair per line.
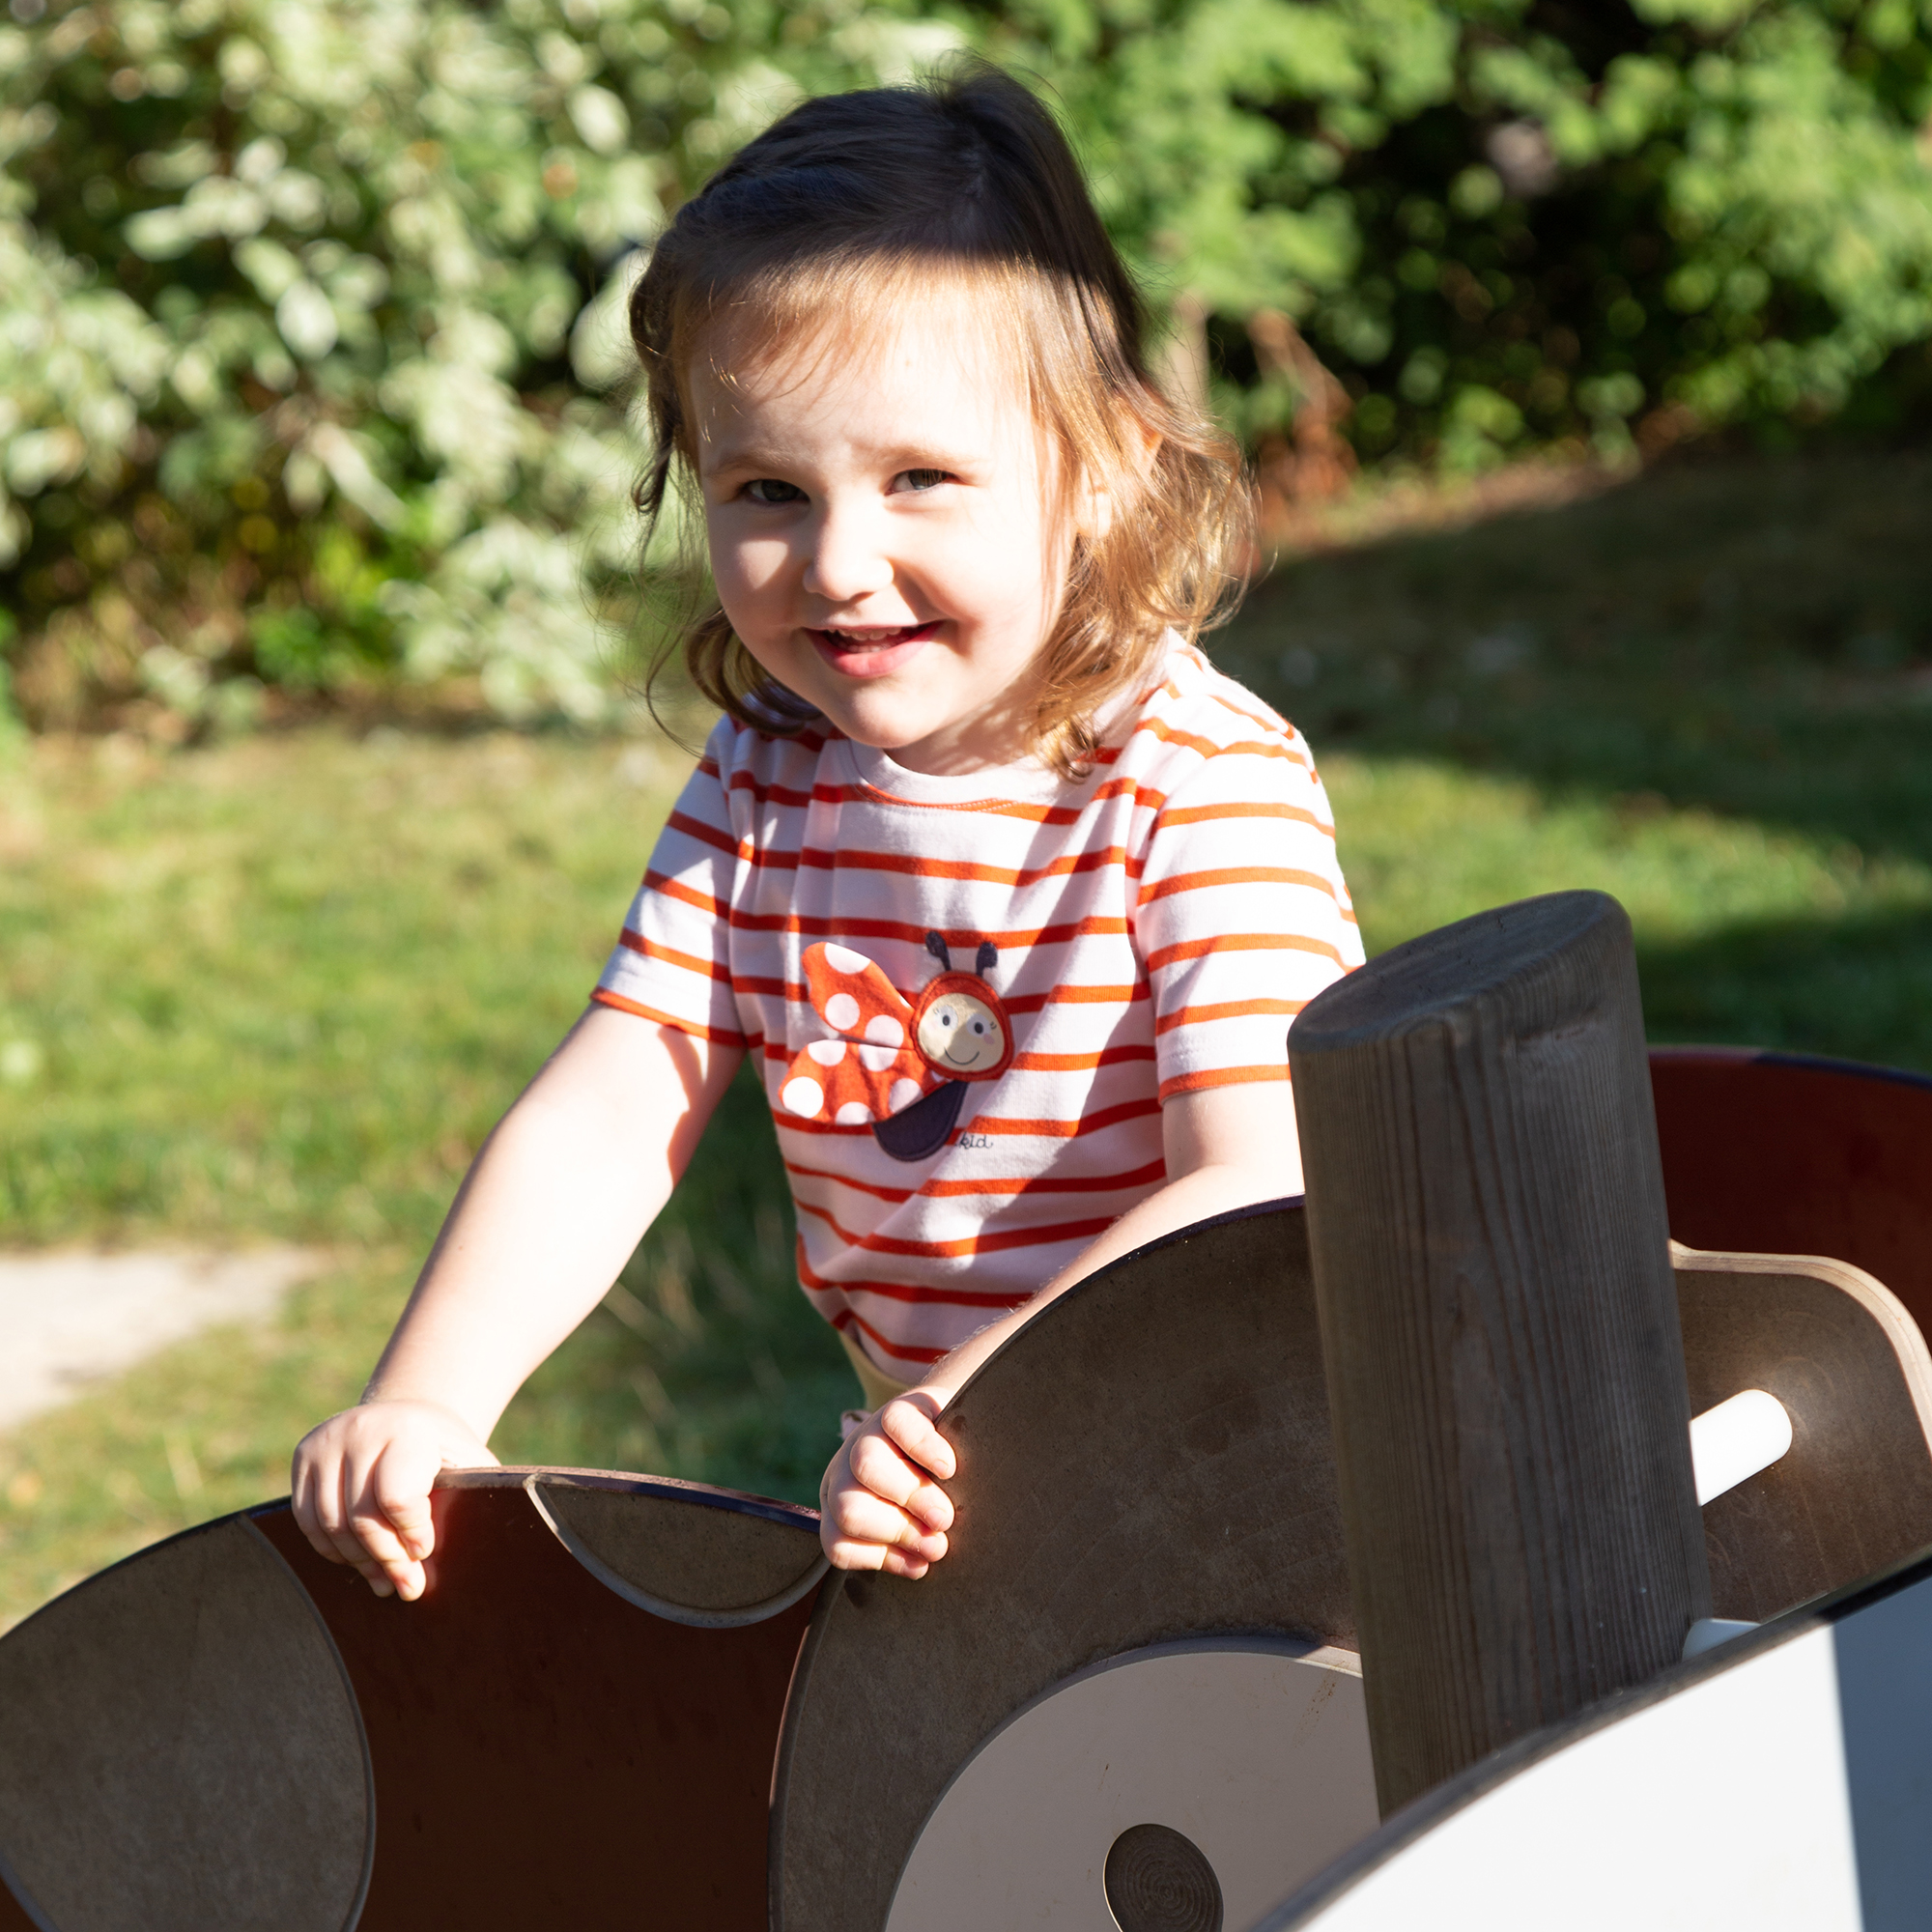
x,y
311,354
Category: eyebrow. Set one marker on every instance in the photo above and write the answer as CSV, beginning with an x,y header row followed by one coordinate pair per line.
x,y
906,456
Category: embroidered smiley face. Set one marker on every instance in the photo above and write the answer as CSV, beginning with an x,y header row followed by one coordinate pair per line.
x,y
960,1035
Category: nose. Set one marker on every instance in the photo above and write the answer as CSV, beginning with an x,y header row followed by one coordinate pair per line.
x,y
848,556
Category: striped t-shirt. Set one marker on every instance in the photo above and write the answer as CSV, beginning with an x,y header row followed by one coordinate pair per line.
x,y
1153,928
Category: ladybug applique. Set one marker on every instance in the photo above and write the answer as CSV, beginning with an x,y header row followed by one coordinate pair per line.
x,y
899,1067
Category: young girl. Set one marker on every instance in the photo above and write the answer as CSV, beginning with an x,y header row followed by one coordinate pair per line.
x,y
1008,894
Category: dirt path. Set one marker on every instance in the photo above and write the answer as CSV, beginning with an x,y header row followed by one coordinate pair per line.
x,y
68,1318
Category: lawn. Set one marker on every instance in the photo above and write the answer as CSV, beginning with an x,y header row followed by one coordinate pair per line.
x,y
279,988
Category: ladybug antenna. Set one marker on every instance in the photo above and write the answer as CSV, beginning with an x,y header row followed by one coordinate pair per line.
x,y
989,957
936,945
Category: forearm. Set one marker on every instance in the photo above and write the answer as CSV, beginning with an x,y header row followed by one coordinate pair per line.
x,y
549,1213
546,1219
1214,1188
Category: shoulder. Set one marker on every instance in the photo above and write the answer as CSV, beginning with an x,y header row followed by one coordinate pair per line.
x,y
1196,724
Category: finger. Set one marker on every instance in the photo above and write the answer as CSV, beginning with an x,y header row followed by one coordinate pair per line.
x,y
909,1423
401,1489
332,1487
859,1515
885,1472
845,1554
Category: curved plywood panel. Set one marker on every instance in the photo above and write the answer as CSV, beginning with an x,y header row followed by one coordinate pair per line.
x,y
547,1753
685,1553
1773,1153
1151,1462
1853,1494
180,1751
1235,1762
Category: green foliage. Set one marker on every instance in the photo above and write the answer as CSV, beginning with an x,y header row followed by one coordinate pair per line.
x,y
1507,223
310,312
311,344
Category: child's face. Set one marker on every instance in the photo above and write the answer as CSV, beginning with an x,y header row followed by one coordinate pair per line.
x,y
882,529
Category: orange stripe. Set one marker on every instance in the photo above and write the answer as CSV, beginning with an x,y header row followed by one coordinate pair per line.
x,y
908,1290
1227,1009
636,942
705,834
859,860
1240,941
1234,875
604,997
1152,1175
1079,1062
967,1245
1193,742
1078,996
1064,1130
1201,814
677,890
1221,1076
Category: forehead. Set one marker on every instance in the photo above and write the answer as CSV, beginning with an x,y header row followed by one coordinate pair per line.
x,y
921,363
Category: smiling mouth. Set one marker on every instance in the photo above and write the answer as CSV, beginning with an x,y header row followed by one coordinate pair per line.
x,y
971,1059
874,650
876,638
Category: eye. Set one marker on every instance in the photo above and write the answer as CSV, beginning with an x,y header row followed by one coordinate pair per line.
x,y
770,490
980,1026
945,1019
915,481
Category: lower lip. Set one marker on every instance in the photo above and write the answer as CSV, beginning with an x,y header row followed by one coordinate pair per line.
x,y
872,660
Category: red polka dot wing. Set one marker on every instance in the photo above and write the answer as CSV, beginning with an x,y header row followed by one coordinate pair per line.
x,y
872,1069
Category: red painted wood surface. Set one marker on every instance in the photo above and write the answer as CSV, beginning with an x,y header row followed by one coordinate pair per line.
x,y
1776,1155
545,1753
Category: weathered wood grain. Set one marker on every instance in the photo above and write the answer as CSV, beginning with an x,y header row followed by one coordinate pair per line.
x,y
1490,1256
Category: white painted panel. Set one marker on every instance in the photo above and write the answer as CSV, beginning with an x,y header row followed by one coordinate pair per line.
x,y
1259,1755
1723,1809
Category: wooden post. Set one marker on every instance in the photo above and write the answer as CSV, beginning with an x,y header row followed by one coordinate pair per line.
x,y
1512,1426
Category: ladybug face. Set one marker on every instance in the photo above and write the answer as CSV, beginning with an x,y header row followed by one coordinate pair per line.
x,y
962,1034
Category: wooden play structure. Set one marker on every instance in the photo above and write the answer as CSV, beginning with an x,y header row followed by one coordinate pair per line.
x,y
1354,1564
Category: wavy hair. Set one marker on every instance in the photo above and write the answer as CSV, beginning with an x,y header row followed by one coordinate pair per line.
x,y
843,204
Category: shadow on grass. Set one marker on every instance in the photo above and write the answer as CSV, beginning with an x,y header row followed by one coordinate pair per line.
x,y
1751,638
1858,988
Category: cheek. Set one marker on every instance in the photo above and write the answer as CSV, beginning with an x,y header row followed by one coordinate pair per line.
x,y
746,567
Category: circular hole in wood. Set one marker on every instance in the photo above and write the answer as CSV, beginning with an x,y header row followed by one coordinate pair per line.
x,y
1158,1880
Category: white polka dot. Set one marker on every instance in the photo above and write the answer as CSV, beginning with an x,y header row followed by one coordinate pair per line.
x,y
877,1059
853,1114
842,1011
803,1096
882,1030
904,1093
827,1051
842,960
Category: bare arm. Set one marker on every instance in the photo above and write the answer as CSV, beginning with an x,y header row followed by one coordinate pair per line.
x,y
548,1214
1226,1147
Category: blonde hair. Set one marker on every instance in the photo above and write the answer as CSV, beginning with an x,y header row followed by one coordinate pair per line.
x,y
847,200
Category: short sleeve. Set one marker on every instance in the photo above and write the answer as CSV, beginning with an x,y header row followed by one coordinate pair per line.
x,y
1242,915
672,962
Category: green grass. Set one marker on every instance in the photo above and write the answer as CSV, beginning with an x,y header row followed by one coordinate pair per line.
x,y
280,988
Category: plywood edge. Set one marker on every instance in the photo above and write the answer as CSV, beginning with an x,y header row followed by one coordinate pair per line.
x,y
733,1618
1867,1291
623,1482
